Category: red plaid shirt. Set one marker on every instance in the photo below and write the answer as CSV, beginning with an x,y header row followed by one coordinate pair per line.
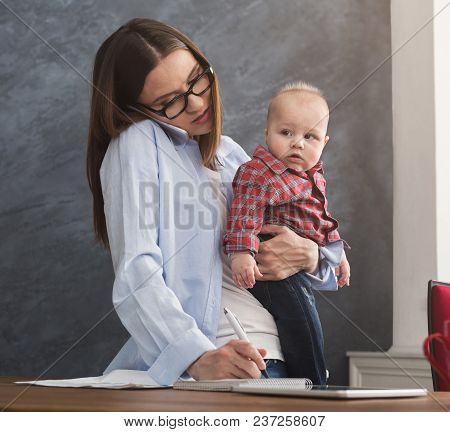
x,y
267,191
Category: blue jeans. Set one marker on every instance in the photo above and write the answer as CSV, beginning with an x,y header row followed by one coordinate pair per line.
x,y
276,368
292,304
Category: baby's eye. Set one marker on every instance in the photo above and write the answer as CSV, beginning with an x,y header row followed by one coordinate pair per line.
x,y
309,136
286,132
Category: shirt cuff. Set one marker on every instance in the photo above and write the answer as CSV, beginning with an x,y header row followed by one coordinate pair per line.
x,y
324,278
179,355
230,254
240,242
332,253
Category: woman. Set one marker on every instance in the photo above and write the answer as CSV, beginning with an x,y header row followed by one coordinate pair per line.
x,y
159,171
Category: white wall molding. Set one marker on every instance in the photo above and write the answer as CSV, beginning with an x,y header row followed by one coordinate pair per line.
x,y
375,369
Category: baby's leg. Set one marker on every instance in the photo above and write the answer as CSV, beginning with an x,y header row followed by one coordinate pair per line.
x,y
291,302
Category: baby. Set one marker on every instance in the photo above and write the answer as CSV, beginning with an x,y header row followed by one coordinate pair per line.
x,y
284,185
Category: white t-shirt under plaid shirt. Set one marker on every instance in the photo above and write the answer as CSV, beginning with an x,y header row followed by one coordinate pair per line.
x,y
257,321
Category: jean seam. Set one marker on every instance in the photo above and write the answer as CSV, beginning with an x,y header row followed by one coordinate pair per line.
x,y
309,296
301,305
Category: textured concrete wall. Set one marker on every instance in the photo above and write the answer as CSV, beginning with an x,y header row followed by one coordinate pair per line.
x,y
56,282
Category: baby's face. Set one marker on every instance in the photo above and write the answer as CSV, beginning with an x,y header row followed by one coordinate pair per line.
x,y
296,129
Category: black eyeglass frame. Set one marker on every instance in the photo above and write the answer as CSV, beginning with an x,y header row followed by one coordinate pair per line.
x,y
162,112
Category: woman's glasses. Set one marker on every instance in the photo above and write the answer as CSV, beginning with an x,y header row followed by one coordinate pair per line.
x,y
178,104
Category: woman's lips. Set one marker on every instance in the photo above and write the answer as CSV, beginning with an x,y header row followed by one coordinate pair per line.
x,y
203,118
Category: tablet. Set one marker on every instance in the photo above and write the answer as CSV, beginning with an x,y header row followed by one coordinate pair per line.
x,y
332,392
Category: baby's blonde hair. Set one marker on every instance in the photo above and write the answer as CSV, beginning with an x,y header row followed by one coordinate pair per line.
x,y
301,86
298,86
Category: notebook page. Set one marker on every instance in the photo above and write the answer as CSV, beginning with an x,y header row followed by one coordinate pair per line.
x,y
116,379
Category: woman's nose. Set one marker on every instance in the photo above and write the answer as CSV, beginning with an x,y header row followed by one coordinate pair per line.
x,y
195,103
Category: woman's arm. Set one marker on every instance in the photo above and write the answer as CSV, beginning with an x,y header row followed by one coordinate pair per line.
x,y
168,339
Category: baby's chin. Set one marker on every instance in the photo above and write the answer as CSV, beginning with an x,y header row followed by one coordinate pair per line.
x,y
299,166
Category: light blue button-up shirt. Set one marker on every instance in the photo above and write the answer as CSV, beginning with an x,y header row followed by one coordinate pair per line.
x,y
165,240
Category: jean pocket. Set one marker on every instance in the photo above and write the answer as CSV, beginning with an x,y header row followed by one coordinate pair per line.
x,y
268,362
297,286
302,279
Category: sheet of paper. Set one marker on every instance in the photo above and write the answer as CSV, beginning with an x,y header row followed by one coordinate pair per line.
x,y
116,379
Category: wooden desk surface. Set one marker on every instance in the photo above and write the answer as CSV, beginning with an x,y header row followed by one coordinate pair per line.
x,y
14,397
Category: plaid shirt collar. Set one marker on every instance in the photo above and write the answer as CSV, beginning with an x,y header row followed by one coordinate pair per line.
x,y
278,166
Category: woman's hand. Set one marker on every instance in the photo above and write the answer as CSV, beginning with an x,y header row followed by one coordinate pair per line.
x,y
285,254
236,359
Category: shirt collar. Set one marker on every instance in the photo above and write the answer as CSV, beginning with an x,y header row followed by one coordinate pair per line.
x,y
278,166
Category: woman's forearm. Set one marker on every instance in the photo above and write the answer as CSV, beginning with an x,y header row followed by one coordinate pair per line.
x,y
285,254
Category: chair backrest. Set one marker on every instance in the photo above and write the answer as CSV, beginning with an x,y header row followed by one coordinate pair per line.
x,y
438,313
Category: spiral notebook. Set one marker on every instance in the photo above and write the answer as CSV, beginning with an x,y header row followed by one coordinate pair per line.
x,y
233,385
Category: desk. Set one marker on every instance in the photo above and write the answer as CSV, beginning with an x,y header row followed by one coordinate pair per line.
x,y
35,398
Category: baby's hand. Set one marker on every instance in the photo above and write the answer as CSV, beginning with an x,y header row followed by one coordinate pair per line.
x,y
244,267
343,272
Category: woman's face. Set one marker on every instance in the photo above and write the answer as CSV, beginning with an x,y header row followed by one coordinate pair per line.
x,y
169,78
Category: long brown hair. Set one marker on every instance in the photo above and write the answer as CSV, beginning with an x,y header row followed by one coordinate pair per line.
x,y
121,65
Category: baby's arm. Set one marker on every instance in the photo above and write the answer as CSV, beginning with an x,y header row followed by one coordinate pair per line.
x,y
251,195
244,267
343,271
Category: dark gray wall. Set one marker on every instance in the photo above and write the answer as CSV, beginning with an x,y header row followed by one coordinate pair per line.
x,y
56,282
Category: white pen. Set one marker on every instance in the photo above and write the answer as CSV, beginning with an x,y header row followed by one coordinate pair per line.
x,y
239,330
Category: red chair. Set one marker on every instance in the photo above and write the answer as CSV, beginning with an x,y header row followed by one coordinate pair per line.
x,y
438,346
